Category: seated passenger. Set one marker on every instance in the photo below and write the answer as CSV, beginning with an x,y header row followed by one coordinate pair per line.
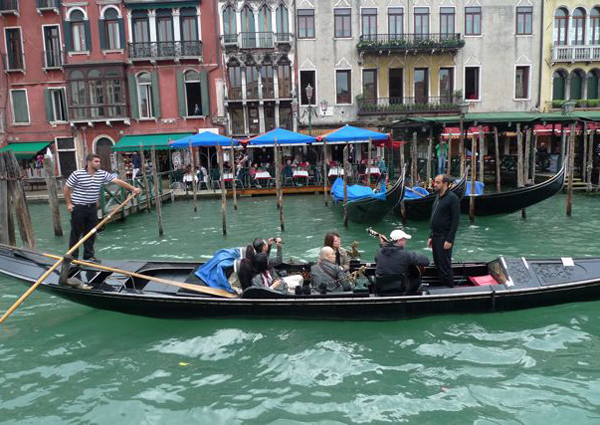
x,y
260,245
394,262
326,275
266,276
332,240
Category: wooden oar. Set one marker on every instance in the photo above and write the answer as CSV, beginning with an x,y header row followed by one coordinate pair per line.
x,y
414,191
196,288
61,259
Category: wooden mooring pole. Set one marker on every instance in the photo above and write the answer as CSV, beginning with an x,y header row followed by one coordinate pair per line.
x,y
473,181
345,155
497,152
50,178
223,194
233,176
325,176
157,197
589,165
145,175
15,193
429,153
194,175
5,210
278,187
571,163
369,147
481,154
413,160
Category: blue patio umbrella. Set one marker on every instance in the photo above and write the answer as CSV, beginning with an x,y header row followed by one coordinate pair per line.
x,y
349,133
283,138
206,139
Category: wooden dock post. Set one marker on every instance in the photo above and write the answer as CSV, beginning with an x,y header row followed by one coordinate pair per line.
x,y
481,154
50,178
194,184
369,146
223,194
534,156
157,197
519,156
145,175
473,174
5,210
461,148
15,187
325,176
589,164
413,159
345,156
429,153
527,156
402,157
278,187
497,152
571,163
233,176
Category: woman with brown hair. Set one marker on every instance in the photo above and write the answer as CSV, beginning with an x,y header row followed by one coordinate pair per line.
x,y
332,240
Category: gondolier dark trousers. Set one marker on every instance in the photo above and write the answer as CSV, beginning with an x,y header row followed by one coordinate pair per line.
x,y
83,219
443,260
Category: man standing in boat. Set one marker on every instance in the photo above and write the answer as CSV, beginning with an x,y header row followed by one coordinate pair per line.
x,y
445,217
81,196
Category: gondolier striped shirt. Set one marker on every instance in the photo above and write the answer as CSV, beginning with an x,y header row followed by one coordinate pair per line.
x,y
85,188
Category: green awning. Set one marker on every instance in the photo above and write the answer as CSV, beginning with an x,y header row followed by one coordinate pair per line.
x,y
25,150
159,141
482,118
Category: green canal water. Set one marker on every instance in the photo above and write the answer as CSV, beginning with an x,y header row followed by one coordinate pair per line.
x,y
65,363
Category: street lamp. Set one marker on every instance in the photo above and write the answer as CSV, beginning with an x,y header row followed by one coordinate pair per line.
x,y
324,106
309,90
463,108
568,107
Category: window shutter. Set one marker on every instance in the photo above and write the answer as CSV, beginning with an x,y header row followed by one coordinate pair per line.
x,y
133,99
121,33
204,93
181,95
48,105
155,95
88,36
68,36
102,33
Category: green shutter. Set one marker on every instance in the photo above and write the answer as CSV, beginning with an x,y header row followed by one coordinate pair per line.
x,y
48,105
102,33
133,99
204,93
181,95
19,99
592,87
68,36
121,33
155,95
88,36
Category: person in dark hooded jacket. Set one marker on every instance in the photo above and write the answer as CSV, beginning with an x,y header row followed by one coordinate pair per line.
x,y
393,260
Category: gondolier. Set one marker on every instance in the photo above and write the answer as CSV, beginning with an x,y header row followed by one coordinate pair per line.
x,y
81,196
445,217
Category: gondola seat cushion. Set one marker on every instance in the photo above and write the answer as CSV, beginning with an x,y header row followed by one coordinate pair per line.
x,y
483,280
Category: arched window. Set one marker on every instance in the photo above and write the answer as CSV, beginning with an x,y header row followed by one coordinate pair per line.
x,y
559,80
595,25
103,148
229,21
579,26
141,28
234,74
80,43
576,85
248,28
592,84
193,95
561,26
145,100
283,26
112,38
265,28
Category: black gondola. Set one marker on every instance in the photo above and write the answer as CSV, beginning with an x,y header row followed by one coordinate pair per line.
x,y
502,285
420,208
370,210
514,200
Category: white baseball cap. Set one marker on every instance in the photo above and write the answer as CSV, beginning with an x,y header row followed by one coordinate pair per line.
x,y
396,235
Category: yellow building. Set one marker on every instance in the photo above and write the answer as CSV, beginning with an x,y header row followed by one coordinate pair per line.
x,y
571,54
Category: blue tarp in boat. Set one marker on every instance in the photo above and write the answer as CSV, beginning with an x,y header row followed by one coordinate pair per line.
x,y
213,273
415,192
355,192
478,188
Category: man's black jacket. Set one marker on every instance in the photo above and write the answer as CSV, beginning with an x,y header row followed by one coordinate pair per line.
x,y
445,216
393,260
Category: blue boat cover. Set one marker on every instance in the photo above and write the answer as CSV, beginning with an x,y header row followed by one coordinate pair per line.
x,y
212,272
413,192
478,188
355,192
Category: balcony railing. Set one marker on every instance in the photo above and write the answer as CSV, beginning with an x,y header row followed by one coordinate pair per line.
x,y
256,40
410,42
53,59
581,53
47,4
13,62
98,112
165,50
407,105
9,6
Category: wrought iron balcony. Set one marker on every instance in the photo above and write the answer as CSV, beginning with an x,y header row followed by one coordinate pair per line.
x,y
283,38
53,59
407,105
576,53
165,50
104,112
410,42
13,62
8,7
43,5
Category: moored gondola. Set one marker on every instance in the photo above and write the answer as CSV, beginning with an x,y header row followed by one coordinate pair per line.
x,y
499,285
420,208
510,201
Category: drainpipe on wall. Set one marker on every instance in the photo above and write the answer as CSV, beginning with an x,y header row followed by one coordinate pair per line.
x,y
539,97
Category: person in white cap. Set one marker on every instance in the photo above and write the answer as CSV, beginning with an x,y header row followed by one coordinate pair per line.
x,y
394,260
